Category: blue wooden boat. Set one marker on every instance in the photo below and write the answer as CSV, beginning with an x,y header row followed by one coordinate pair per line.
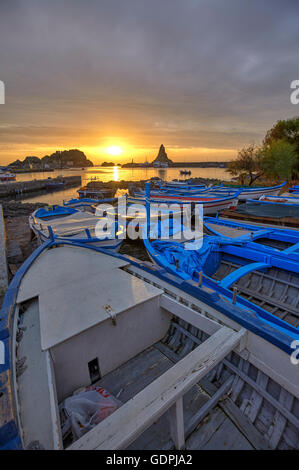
x,y
79,318
181,185
66,223
294,189
54,185
211,204
284,240
256,192
267,283
285,200
95,190
270,208
171,192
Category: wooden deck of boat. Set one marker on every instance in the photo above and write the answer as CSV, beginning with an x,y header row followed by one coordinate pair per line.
x,y
217,431
232,232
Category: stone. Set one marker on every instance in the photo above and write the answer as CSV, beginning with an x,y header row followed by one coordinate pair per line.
x,y
162,156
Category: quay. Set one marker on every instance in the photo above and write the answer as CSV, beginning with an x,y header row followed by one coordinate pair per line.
x,y
22,187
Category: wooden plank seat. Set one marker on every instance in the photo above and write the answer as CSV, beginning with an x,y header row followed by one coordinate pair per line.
x,y
123,427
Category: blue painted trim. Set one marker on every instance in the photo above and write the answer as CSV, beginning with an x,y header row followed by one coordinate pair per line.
x,y
238,273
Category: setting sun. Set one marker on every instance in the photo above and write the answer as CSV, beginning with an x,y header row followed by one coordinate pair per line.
x,y
114,150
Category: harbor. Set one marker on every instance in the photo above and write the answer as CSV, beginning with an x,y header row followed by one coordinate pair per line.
x,y
23,188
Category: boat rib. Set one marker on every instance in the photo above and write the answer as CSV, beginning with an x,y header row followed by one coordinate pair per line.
x,y
275,290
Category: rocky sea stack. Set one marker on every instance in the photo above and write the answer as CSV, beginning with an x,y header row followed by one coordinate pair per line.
x,y
162,156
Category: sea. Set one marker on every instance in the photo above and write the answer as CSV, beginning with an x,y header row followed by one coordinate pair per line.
x,y
115,173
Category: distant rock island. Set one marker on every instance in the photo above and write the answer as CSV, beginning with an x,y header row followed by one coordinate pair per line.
x,y
110,164
162,157
73,158
163,160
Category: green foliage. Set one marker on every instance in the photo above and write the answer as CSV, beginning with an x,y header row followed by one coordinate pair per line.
x,y
287,130
278,159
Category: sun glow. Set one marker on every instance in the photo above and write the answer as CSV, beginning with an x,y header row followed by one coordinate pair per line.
x,y
114,150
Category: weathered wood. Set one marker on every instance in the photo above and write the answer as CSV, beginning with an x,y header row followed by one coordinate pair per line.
x,y
190,316
176,418
292,418
227,437
199,439
122,427
227,405
256,398
238,418
207,407
276,430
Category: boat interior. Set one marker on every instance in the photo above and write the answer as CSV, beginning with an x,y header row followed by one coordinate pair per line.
x,y
185,375
272,237
275,290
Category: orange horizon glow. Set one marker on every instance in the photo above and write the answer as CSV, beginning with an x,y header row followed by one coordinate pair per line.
x,y
121,152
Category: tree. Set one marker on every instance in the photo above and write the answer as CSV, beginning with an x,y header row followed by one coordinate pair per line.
x,y
246,164
278,159
287,130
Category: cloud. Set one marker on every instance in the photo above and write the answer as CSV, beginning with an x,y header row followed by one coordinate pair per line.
x,y
200,73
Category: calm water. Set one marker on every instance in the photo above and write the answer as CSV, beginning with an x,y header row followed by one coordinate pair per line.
x,y
114,174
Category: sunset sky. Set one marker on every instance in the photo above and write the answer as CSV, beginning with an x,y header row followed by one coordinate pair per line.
x,y
203,77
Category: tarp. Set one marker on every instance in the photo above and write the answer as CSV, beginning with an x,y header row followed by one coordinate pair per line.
x,y
277,211
206,258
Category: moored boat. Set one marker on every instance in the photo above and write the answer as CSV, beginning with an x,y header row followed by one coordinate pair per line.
x,y
294,189
261,237
266,282
211,204
255,192
94,191
5,176
66,223
143,347
54,185
279,200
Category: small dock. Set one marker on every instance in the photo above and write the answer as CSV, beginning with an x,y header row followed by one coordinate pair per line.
x,y
25,187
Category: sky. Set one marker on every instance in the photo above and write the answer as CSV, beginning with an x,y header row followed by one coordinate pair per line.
x,y
203,77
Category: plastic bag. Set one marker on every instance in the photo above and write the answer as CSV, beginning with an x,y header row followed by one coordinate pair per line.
x,y
84,410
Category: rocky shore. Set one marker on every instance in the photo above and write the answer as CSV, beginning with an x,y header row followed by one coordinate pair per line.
x,y
19,242
12,209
